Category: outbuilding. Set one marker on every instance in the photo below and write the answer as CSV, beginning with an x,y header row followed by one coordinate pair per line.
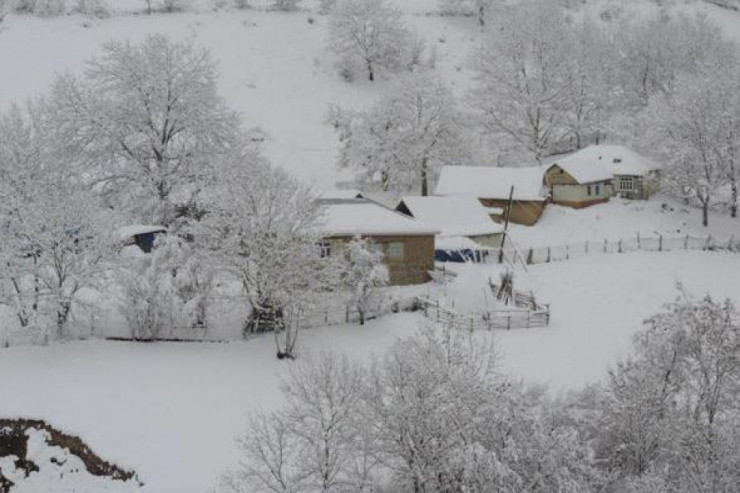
x,y
454,216
492,187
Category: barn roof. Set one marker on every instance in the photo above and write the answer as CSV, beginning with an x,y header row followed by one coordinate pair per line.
x,y
367,218
459,215
488,182
603,162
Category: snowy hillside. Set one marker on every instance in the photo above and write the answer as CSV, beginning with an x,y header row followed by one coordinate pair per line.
x,y
274,67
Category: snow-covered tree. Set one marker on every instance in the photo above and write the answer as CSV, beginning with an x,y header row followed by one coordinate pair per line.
x,y
165,293
523,75
695,130
261,227
311,444
371,33
671,412
363,273
52,229
430,416
146,125
405,138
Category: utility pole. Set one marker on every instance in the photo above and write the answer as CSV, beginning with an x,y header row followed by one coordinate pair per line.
x,y
506,225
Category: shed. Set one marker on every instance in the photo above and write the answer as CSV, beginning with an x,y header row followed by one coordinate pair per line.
x,y
455,216
142,236
407,244
492,185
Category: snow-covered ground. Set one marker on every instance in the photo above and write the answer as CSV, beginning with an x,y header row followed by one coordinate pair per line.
x,y
170,411
621,219
273,68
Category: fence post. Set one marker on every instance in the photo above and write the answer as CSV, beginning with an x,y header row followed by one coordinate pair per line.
x,y
619,246
530,256
548,254
639,245
508,322
606,245
686,243
346,314
426,308
709,242
567,252
471,325
660,243
729,244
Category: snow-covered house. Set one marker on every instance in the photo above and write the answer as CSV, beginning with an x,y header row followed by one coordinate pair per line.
x,y
576,182
454,216
407,244
492,186
142,236
633,176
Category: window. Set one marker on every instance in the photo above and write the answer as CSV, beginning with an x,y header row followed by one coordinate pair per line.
x,y
597,190
324,249
625,184
588,190
395,250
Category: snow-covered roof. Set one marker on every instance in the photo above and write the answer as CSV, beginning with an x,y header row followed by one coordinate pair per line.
x,y
488,182
139,229
341,194
603,160
458,215
367,218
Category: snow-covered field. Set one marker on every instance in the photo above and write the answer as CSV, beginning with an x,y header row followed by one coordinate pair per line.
x,y
621,219
171,411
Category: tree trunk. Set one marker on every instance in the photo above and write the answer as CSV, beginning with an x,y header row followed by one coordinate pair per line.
x,y
733,207
63,316
482,15
705,214
361,312
370,71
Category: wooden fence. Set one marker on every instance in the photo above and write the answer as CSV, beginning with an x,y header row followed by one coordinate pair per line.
x,y
653,243
513,318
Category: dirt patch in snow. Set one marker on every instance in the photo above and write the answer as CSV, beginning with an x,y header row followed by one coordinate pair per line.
x,y
14,443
